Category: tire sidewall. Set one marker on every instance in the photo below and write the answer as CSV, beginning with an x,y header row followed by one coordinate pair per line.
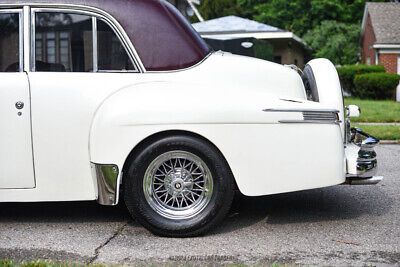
x,y
221,194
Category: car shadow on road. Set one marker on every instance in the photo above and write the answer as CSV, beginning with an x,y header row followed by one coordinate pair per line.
x,y
334,203
88,211
328,204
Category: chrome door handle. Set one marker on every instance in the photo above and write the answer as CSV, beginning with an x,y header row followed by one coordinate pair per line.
x,y
19,105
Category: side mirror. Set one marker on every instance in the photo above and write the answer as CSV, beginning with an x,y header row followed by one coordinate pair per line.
x,y
353,111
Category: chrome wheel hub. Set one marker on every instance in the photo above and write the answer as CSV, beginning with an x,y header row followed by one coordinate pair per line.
x,y
178,185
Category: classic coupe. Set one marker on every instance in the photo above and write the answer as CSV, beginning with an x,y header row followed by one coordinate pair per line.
x,y
123,101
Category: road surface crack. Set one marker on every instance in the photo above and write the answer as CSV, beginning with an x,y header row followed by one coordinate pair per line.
x,y
99,248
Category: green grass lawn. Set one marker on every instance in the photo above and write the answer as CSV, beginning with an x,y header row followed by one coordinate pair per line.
x,y
382,132
375,110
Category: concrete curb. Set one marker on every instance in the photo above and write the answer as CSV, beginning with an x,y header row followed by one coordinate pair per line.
x,y
377,123
389,142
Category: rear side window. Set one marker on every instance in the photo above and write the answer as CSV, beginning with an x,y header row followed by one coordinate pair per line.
x,y
75,42
63,42
10,42
112,54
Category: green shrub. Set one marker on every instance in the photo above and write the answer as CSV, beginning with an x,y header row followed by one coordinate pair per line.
x,y
376,85
347,73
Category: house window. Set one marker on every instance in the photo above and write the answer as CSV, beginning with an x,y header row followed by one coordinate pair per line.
x,y
278,59
51,47
368,60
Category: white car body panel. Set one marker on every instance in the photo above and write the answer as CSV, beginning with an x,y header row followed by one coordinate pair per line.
x,y
329,88
251,110
78,118
16,163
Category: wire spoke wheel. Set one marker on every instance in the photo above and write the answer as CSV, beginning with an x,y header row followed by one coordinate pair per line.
x,y
178,185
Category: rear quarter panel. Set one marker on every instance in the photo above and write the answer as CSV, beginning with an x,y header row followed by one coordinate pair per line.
x,y
266,157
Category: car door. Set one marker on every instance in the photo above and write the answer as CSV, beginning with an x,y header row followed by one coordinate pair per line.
x,y
16,158
78,62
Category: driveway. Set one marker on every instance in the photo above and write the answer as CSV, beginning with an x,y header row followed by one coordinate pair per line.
x,y
338,225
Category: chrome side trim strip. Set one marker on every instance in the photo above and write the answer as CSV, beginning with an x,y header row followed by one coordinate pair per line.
x,y
300,110
311,121
327,116
108,179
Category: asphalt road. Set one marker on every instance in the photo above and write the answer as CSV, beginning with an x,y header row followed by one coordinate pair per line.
x,y
339,225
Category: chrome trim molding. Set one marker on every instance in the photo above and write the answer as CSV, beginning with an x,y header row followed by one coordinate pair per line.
x,y
27,38
367,163
311,115
183,69
311,121
21,20
300,110
95,46
108,180
124,43
90,11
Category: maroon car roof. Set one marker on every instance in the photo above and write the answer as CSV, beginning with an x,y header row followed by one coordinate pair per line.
x,y
162,37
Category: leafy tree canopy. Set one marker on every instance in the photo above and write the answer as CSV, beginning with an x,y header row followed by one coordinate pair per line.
x,y
298,16
330,27
334,40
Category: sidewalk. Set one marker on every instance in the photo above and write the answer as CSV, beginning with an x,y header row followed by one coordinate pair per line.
x,y
378,123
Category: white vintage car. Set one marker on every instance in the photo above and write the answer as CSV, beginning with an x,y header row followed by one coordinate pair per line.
x,y
100,98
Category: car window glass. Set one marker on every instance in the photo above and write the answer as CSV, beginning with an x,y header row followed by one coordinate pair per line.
x,y
9,43
112,55
63,42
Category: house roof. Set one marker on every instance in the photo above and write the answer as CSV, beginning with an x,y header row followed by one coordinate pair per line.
x,y
231,27
232,24
385,18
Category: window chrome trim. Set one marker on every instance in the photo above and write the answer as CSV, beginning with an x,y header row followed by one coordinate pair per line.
x,y
94,43
136,70
184,69
90,11
26,39
21,27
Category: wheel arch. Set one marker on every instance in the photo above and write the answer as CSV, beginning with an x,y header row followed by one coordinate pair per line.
x,y
168,133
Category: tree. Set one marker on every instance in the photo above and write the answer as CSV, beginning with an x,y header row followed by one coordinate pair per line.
x,y
300,16
335,40
211,9
304,18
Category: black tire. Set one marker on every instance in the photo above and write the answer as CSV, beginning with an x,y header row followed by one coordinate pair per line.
x,y
217,207
310,84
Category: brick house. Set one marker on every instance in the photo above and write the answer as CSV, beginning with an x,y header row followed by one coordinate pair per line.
x,y
380,36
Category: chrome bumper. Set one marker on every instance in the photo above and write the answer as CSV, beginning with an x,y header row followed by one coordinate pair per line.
x,y
361,159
